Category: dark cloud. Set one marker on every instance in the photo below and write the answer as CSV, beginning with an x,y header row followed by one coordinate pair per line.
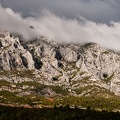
x,y
95,10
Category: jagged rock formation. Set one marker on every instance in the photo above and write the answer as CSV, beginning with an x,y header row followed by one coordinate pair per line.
x,y
83,70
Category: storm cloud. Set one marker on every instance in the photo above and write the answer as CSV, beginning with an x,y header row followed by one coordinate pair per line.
x,y
65,21
94,10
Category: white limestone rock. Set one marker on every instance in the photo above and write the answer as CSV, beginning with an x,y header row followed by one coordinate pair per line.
x,y
68,54
61,64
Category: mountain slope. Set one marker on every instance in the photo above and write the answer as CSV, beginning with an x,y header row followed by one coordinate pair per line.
x,y
45,68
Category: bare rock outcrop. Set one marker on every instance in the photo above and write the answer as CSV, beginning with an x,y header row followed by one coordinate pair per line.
x,y
69,65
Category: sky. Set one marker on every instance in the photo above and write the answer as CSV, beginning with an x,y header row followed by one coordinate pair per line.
x,y
64,21
95,10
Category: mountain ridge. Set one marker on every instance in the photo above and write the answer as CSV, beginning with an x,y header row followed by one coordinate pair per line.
x,y
80,70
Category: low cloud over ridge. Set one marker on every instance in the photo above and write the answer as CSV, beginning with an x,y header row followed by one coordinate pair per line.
x,y
61,29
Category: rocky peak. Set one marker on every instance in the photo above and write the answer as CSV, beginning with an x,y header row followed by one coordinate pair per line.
x,y
12,53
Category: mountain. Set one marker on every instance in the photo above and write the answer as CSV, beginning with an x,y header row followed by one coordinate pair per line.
x,y
44,68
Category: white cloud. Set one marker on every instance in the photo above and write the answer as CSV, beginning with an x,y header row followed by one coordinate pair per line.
x,y
61,29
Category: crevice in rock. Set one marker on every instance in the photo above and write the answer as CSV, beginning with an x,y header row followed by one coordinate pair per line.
x,y
24,61
58,55
54,78
105,75
37,63
0,44
15,45
12,63
78,57
60,65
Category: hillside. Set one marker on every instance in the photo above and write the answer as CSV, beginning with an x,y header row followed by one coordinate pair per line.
x,y
41,70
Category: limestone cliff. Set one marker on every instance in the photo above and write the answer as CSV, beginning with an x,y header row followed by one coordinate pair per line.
x,y
89,67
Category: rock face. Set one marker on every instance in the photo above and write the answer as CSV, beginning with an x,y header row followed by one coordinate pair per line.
x,y
72,66
12,53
